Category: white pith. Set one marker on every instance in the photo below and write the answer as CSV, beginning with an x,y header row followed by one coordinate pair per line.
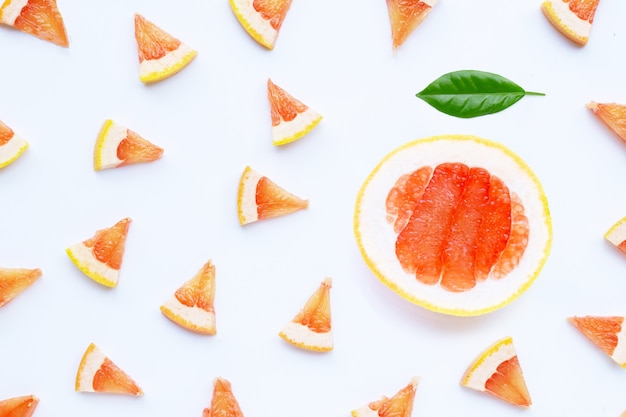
x,y
619,353
106,153
302,335
198,318
12,149
149,68
287,131
11,11
617,234
581,28
478,376
252,21
93,267
248,207
90,364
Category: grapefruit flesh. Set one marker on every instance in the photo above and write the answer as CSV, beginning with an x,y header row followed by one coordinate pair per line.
x,y
223,401
97,373
613,115
14,281
118,146
399,405
405,16
572,18
262,19
11,145
606,332
40,18
19,406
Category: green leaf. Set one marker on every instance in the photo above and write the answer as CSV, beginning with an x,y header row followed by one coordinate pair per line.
x,y
471,93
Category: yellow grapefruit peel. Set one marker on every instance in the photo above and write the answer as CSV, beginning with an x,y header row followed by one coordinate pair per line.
x,y
12,146
255,24
617,235
561,15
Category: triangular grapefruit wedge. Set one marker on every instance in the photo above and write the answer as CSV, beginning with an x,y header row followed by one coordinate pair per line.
x,y
617,235
291,119
11,145
40,18
573,18
613,115
405,16
260,198
14,281
161,55
311,328
399,405
117,146
100,257
497,371
97,373
223,401
262,19
19,406
191,306
606,332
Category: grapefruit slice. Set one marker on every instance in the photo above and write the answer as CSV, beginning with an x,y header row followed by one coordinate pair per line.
x,y
311,328
191,306
19,406
100,257
290,118
14,281
606,332
400,405
613,115
260,198
223,402
497,371
573,18
40,18
405,16
456,224
617,235
118,146
11,145
262,19
97,373
160,54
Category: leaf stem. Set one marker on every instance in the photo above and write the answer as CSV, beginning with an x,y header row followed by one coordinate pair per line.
x,y
534,93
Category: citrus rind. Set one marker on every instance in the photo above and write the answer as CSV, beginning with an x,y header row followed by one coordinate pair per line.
x,y
566,22
193,318
289,131
617,234
258,28
486,364
301,336
12,150
109,138
90,364
82,257
153,70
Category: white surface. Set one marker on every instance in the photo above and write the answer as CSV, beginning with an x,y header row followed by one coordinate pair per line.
x,y
213,119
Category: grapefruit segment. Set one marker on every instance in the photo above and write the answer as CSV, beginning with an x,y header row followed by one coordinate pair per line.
x,y
606,332
117,146
262,19
497,371
260,198
223,401
191,306
14,281
613,115
573,18
405,16
311,327
19,406
617,235
100,257
40,18
97,373
11,145
160,54
399,405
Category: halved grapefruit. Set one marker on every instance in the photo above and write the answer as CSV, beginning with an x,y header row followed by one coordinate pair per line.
x,y
160,54
40,18
311,328
262,19
100,257
11,145
260,198
497,371
573,18
291,119
606,332
613,115
405,16
457,224
118,146
19,406
617,235
14,281
223,401
400,405
97,373
191,306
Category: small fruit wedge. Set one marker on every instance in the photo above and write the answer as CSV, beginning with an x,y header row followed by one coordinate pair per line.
x,y
97,373
613,115
573,18
14,281
405,16
191,306
40,18
117,146
291,119
400,405
617,235
223,402
19,406
160,54
260,198
11,145
100,257
311,328
262,19
497,371
606,332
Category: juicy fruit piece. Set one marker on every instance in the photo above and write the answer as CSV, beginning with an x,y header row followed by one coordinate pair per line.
x,y
262,19
19,406
606,332
40,18
311,328
400,405
117,146
160,54
405,16
223,402
457,224
497,371
191,306
290,118
11,145
613,115
260,198
97,373
617,235
14,281
100,257
573,18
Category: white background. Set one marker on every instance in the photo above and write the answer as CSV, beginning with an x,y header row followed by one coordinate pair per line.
x,y
213,120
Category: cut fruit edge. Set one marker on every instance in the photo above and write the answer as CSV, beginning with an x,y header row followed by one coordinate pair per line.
x,y
371,409
258,28
154,70
89,367
566,22
302,124
14,281
411,20
12,149
23,406
82,257
616,235
618,353
49,17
